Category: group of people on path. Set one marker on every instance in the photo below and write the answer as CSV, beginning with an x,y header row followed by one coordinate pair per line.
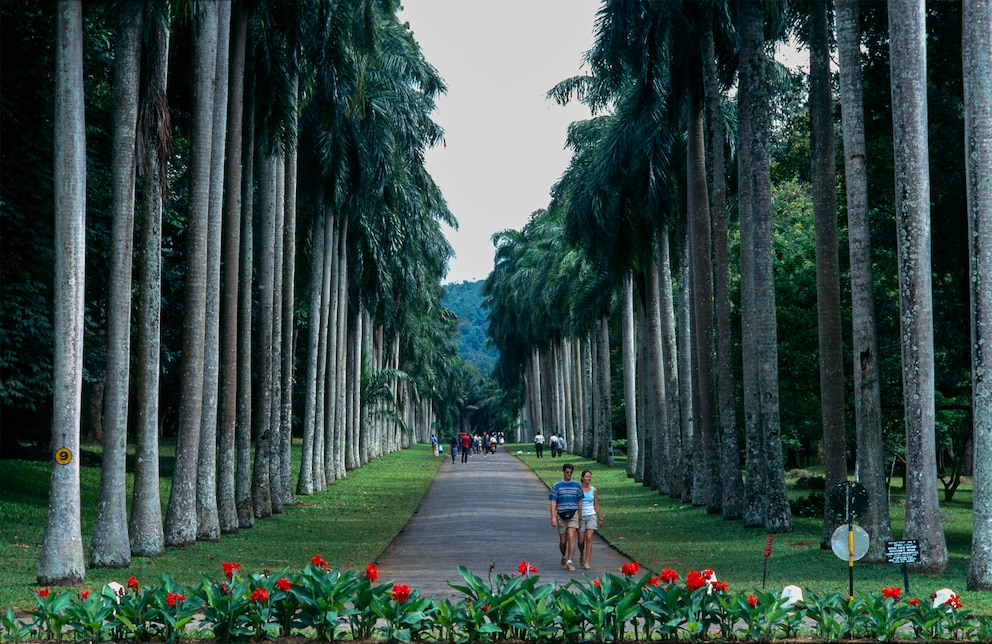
x,y
554,442
464,443
576,515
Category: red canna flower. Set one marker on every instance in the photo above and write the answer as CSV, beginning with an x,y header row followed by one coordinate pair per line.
x,y
719,586
283,584
595,582
259,595
654,580
694,580
954,601
485,609
708,573
132,582
914,602
42,592
230,567
894,592
752,601
669,576
371,572
172,598
84,594
401,592
630,568
525,568
318,561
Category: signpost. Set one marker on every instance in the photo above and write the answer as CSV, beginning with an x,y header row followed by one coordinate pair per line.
x,y
848,501
903,553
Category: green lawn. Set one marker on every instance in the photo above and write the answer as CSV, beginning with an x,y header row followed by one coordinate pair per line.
x,y
353,520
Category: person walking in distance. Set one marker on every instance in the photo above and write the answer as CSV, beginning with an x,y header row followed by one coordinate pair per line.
x,y
566,508
434,444
539,444
592,518
466,445
454,446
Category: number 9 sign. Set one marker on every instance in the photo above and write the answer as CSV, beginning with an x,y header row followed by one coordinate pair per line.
x,y
63,456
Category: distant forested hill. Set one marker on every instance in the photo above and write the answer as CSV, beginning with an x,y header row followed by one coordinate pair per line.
x,y
465,300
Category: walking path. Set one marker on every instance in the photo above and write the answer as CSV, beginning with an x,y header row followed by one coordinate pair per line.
x,y
492,510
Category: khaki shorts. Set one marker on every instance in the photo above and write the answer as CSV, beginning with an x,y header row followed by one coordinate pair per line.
x,y
564,525
589,522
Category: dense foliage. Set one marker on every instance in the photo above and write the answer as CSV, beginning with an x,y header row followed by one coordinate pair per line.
x,y
464,299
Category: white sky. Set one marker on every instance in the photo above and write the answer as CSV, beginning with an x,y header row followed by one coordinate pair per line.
x,y
504,142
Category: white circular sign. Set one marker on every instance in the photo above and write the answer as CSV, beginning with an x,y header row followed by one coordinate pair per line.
x,y
842,547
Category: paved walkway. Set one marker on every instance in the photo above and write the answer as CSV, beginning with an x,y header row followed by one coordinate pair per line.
x,y
491,510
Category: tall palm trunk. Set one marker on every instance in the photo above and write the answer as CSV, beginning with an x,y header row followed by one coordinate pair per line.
x,y
704,382
733,483
246,262
827,262
208,521
61,560
870,467
672,414
977,63
180,518
145,526
227,507
683,334
907,46
630,374
288,322
111,546
275,402
316,354
778,517
659,428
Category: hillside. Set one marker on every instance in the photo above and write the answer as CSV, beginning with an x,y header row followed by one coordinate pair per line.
x,y
464,299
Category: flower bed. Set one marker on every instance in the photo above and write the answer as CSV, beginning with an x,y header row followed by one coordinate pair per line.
x,y
331,604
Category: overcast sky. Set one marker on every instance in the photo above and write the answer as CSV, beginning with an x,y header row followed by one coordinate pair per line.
x,y
504,142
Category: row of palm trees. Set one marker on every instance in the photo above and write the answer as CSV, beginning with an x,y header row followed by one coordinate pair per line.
x,y
680,97
308,125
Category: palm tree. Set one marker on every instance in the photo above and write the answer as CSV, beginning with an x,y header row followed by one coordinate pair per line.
x,y
867,391
827,261
180,518
61,559
208,521
111,546
231,249
145,526
757,281
907,45
977,62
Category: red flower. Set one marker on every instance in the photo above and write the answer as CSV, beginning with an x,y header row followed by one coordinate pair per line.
x,y
283,584
719,586
954,601
525,568
485,609
230,567
654,580
259,595
914,602
172,598
401,592
371,572
42,592
708,573
318,561
894,592
694,580
669,576
84,594
630,568
752,601
595,582
132,582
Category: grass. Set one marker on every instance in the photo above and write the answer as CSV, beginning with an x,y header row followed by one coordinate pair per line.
x,y
352,521
349,524
660,532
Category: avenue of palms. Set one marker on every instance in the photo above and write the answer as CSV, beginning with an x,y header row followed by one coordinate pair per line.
x,y
245,249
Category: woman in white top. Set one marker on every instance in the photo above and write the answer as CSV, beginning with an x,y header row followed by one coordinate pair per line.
x,y
592,518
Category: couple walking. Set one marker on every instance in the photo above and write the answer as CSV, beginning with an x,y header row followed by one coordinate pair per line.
x,y
575,513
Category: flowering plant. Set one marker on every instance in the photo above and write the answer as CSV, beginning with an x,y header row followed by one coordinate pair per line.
x,y
884,614
403,612
88,615
171,610
323,597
